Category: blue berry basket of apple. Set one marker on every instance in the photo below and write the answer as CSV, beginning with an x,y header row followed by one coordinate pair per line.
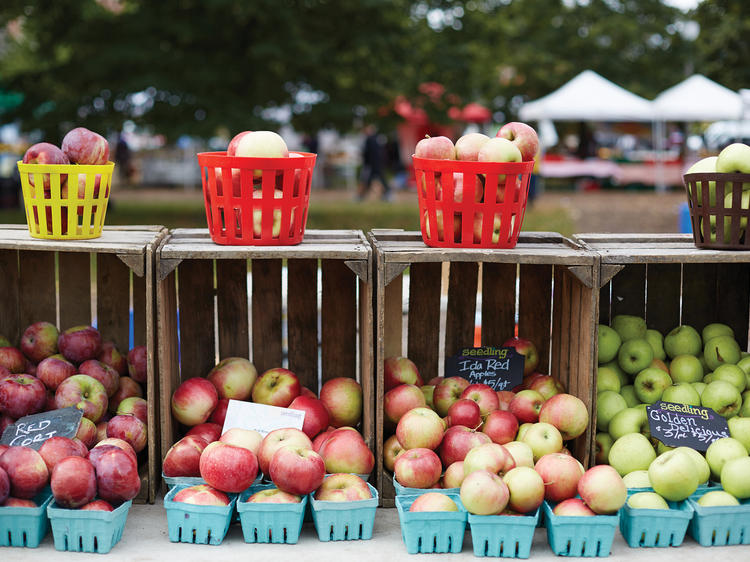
x,y
267,522
425,532
25,526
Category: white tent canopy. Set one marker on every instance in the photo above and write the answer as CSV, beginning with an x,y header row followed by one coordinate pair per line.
x,y
697,98
589,97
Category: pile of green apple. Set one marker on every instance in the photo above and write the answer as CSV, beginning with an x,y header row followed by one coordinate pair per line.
x,y
638,366
735,158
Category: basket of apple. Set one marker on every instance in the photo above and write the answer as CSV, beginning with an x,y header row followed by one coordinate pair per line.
x,y
256,192
433,522
722,517
473,194
718,190
66,189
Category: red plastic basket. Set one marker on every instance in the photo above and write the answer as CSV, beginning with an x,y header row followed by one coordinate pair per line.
x,y
267,202
472,204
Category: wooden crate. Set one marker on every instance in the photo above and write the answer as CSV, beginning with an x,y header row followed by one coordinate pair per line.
x,y
669,281
262,302
561,322
74,282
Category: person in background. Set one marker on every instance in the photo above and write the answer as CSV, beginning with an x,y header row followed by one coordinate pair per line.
x,y
373,164
122,158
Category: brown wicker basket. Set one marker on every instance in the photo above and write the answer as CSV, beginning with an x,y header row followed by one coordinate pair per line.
x,y
719,222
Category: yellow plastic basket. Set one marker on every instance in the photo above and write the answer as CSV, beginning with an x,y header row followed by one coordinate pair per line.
x,y
56,212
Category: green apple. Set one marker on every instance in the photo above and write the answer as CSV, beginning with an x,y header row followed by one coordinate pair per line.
x,y
661,447
629,327
734,158
745,408
650,384
615,366
608,404
716,498
673,475
732,374
628,393
608,379
635,355
701,465
699,387
721,451
602,443
722,397
609,343
719,350
734,477
709,378
522,429
716,329
629,420
682,340
656,341
706,165
744,364
686,368
631,452
681,393
647,500
637,479
739,429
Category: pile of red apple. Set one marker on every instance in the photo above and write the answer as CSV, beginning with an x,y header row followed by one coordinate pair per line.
x,y
51,370
514,142
295,460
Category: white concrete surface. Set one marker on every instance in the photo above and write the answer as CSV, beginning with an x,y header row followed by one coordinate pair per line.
x,y
145,539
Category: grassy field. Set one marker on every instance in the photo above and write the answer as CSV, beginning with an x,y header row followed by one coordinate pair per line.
x,y
326,213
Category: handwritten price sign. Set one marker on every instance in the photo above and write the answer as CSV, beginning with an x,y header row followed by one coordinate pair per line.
x,y
32,431
682,424
498,367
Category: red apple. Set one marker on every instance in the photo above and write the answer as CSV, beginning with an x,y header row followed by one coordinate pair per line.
x,y
572,507
232,148
528,350
546,385
18,502
53,370
567,413
342,396
458,441
45,153
273,495
441,224
228,468
233,378
489,456
346,451
454,475
202,494
458,187
26,471
210,432
80,343
321,438
276,387
343,487
484,493
85,393
280,438
501,427
438,148
4,485
400,370
39,341
220,412
297,470
183,457
128,388
98,505
193,401
101,447
56,448
602,489
116,474
484,395
247,438
561,474
5,421
420,427
418,468
87,433
447,392
101,431
464,412
82,146
399,400
73,482
21,395
105,374
130,429
316,414
392,449
110,355
137,361
526,405
523,136
304,391
134,406
12,359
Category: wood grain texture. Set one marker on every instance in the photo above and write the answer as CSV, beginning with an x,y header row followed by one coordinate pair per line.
x,y
74,275
113,299
266,314
733,299
423,342
535,308
498,302
338,321
37,294
195,281
629,291
367,363
10,323
393,317
168,351
663,296
462,306
140,317
302,320
231,305
699,282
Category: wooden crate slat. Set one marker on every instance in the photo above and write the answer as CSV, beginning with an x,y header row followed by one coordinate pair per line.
x,y
424,318
560,346
266,314
10,322
113,299
732,299
168,351
462,305
366,374
139,309
604,304
498,302
302,320
196,303
535,308
231,306
663,296
74,274
393,318
36,288
582,366
338,320
629,291
699,282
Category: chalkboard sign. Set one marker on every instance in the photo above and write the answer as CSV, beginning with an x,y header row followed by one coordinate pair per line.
x,y
676,425
498,367
32,431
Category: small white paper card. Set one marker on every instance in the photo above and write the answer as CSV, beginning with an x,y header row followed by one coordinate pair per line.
x,y
260,417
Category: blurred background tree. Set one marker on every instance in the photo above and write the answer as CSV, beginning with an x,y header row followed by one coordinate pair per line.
x,y
199,66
